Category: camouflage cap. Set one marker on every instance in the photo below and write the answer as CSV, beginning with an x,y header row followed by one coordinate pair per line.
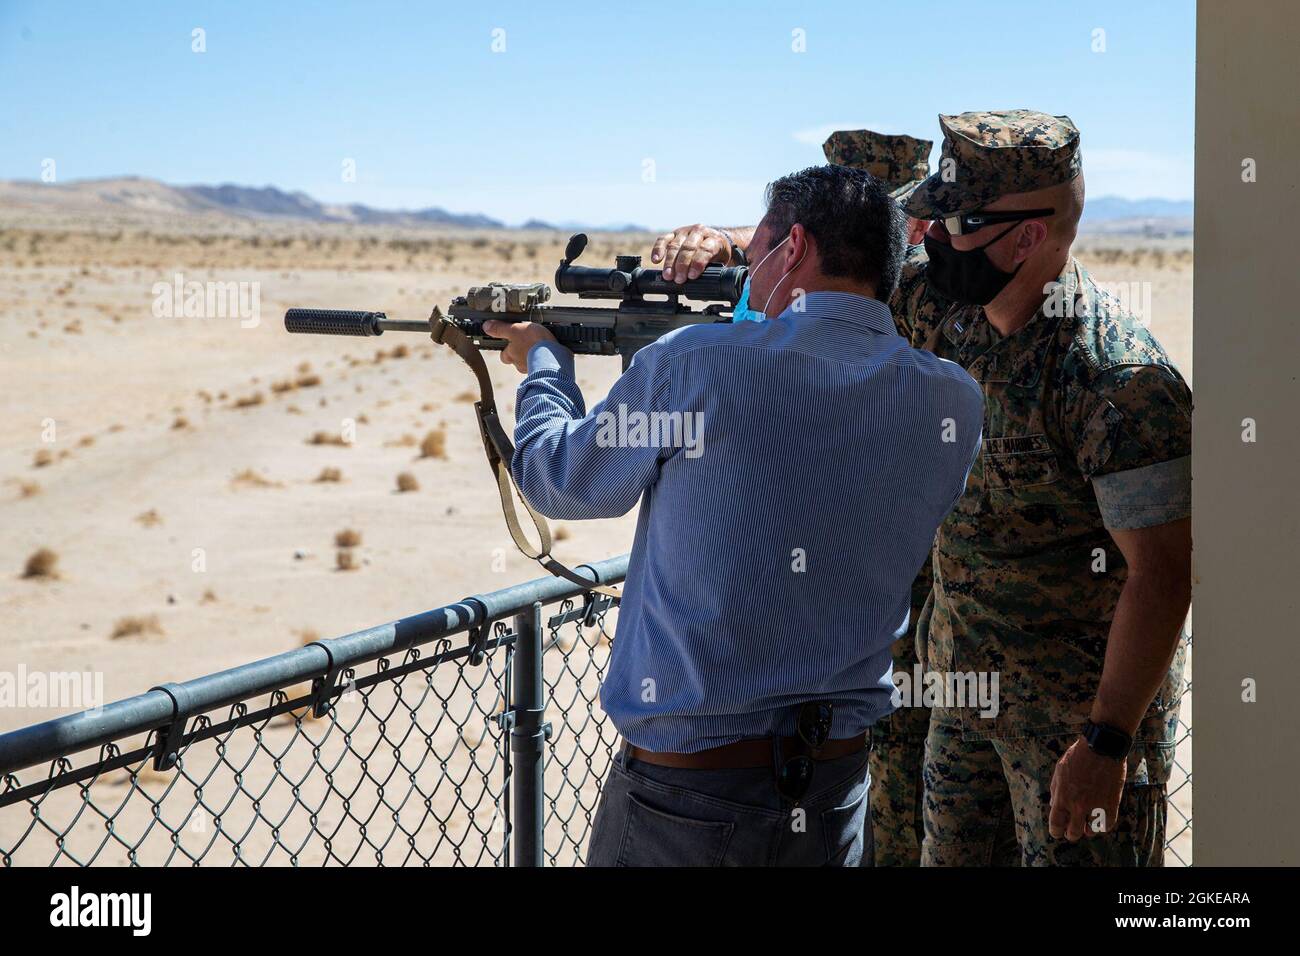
x,y
992,154
900,161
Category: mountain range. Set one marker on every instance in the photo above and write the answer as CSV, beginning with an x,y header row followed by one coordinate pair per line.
x,y
135,196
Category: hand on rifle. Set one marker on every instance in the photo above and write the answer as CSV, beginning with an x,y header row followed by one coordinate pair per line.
x,y
521,336
687,250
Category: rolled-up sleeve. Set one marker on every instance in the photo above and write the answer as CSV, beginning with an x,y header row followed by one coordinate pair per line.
x,y
1145,497
571,464
1135,443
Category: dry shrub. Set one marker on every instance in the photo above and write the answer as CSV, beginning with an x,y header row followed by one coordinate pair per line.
x,y
42,458
283,386
28,489
248,401
434,444
209,597
297,692
42,564
326,438
307,381
347,538
304,368
330,474
406,441
137,626
150,518
466,396
561,533
473,734
406,482
86,441
180,422
345,560
253,479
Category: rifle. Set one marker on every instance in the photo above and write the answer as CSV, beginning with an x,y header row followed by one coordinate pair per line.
x,y
584,330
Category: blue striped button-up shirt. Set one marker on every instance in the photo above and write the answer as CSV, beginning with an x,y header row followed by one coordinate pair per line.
x,y
791,475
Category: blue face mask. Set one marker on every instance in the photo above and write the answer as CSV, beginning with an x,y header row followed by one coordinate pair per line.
x,y
741,312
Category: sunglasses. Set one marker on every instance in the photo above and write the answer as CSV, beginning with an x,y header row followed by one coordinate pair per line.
x,y
814,728
966,223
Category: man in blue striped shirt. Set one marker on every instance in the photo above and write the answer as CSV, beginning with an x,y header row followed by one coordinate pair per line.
x,y
791,474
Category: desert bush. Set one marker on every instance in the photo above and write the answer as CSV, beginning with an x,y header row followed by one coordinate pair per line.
x,y
434,444
137,626
42,564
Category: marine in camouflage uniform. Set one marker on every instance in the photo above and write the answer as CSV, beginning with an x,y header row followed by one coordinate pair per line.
x,y
899,739
1082,409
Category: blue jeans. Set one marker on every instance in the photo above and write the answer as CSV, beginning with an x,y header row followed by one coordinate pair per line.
x,y
662,816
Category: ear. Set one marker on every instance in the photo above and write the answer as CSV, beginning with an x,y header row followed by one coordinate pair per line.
x,y
1031,237
798,247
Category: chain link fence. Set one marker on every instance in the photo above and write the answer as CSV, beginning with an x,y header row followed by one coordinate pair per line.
x,y
1178,825
470,735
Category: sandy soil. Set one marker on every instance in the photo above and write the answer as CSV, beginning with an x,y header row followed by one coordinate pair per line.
x,y
180,483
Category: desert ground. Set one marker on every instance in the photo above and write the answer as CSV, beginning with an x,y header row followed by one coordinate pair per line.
x,y
183,478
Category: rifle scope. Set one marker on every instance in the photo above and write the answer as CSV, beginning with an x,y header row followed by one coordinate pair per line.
x,y
627,280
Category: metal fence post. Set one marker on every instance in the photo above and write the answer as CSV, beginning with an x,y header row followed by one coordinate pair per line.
x,y
528,740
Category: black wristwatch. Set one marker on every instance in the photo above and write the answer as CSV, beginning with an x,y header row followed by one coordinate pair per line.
x,y
1107,741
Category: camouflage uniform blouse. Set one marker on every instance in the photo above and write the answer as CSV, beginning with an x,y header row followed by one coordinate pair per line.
x,y
1081,392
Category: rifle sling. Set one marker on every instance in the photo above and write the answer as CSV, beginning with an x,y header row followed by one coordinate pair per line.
x,y
499,450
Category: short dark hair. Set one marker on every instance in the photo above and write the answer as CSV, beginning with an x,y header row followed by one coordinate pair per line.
x,y
861,231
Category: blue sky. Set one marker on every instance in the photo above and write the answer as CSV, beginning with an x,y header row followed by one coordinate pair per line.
x,y
563,123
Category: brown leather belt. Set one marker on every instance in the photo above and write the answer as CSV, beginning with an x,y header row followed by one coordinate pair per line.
x,y
744,754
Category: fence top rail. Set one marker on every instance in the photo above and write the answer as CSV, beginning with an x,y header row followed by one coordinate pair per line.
x,y
165,703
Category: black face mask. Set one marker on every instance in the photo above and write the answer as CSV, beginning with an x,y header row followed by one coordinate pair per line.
x,y
967,277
